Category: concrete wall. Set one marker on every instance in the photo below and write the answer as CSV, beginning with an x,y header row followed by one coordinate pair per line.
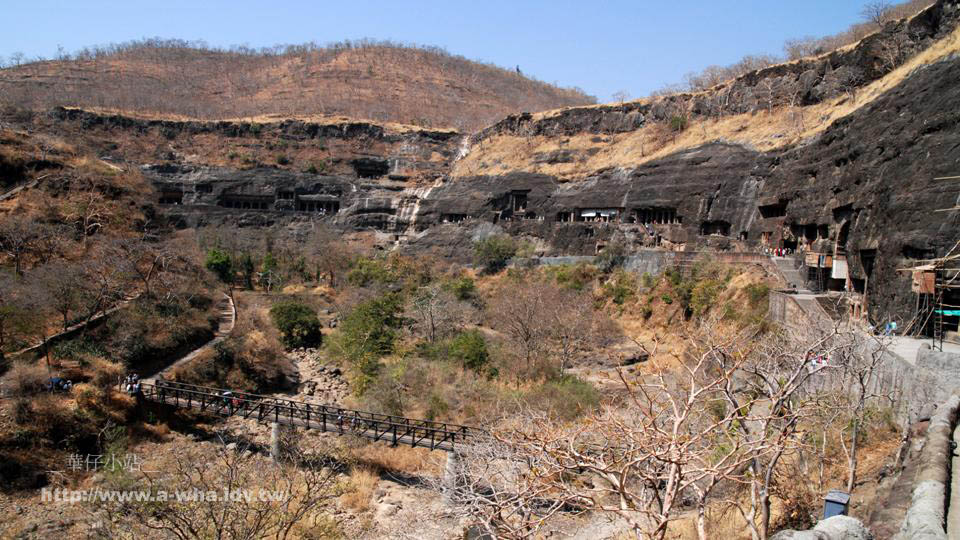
x,y
784,310
947,363
915,386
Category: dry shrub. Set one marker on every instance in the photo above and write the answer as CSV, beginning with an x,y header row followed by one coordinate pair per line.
x,y
358,488
400,459
25,378
104,373
87,396
201,369
799,501
103,402
47,411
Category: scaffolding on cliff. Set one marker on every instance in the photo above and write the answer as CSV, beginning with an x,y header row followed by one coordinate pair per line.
x,y
937,285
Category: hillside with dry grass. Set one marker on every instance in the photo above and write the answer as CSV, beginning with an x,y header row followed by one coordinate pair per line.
x,y
623,136
383,82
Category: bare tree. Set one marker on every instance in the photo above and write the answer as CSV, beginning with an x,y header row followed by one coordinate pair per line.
x,y
893,49
50,242
63,282
437,312
144,261
767,91
775,376
285,499
638,460
573,325
89,213
520,314
877,12
502,488
796,49
861,360
18,234
332,255
103,283
35,312
12,309
621,96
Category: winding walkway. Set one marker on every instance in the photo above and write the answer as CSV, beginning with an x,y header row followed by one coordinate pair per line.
x,y
227,320
75,328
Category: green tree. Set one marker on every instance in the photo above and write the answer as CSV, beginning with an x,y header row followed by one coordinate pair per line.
x,y
365,335
268,276
613,256
494,252
298,324
269,263
703,295
462,288
218,262
247,267
470,349
369,271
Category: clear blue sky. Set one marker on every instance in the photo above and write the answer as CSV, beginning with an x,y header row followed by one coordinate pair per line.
x,y
601,47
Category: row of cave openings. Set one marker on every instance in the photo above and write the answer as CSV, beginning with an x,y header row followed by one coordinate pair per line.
x,y
644,216
283,200
517,207
826,261
173,194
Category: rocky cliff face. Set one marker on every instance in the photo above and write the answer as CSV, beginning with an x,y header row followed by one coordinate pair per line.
x,y
868,187
861,189
355,175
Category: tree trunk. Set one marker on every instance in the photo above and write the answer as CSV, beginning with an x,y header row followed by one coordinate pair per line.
x,y
823,454
702,521
764,514
852,461
46,350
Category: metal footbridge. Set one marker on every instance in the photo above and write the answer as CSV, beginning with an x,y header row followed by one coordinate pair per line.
x,y
395,430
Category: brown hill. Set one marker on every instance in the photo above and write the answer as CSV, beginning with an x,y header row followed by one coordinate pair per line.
x,y
378,81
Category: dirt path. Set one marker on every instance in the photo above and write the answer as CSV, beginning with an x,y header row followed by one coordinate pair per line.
x,y
76,327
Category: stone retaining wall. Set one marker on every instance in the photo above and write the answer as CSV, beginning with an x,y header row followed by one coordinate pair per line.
x,y
656,261
926,518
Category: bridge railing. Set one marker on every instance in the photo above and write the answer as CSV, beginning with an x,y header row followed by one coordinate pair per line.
x,y
374,426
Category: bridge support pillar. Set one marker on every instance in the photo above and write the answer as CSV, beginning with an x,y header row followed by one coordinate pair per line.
x,y
275,441
450,472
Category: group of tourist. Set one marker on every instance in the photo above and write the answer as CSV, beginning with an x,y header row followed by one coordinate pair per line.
x,y
58,384
777,252
131,384
816,361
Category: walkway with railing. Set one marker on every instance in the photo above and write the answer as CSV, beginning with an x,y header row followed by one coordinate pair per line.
x,y
395,430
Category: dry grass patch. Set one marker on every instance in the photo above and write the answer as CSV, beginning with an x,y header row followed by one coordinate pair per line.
x,y
24,377
358,488
400,459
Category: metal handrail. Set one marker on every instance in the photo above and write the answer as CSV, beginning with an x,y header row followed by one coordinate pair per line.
x,y
425,433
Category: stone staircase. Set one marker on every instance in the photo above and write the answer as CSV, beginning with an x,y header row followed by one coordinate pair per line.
x,y
787,266
227,319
